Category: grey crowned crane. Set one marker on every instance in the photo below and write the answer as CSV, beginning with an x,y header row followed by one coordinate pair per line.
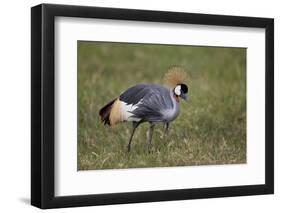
x,y
151,103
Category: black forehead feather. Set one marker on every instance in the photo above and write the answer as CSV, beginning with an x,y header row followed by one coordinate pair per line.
x,y
184,88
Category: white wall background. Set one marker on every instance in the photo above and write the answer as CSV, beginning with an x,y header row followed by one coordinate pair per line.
x,y
15,105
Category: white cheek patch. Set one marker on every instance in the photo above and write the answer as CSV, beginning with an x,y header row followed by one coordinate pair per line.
x,y
177,90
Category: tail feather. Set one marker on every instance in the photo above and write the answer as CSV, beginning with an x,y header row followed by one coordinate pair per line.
x,y
105,113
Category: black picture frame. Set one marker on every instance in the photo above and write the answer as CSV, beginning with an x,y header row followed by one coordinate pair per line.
x,y
43,102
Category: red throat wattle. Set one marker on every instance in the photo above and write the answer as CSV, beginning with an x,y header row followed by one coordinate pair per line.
x,y
177,98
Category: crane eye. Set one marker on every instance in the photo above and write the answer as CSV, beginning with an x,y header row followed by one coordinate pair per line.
x,y
184,88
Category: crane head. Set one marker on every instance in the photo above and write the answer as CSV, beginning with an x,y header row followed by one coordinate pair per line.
x,y
181,90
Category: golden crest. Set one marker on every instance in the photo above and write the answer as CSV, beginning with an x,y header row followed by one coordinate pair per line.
x,y
175,75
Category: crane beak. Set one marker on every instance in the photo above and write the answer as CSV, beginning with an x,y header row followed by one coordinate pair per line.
x,y
184,96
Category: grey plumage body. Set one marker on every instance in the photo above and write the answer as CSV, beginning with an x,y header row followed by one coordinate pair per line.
x,y
154,103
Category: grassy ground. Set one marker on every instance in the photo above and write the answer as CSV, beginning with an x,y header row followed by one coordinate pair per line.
x,y
211,128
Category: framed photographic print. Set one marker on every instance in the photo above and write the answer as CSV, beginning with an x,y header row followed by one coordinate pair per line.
x,y
139,106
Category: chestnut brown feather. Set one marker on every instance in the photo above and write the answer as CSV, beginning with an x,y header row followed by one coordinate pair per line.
x,y
105,112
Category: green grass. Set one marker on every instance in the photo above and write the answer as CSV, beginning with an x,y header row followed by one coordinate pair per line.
x,y
211,127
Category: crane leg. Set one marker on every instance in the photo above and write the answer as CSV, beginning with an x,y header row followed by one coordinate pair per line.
x,y
166,129
135,125
150,133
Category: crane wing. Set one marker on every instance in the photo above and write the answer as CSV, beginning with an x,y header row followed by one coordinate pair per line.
x,y
135,94
150,100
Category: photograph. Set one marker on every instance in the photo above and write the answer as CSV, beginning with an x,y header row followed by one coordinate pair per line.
x,y
160,105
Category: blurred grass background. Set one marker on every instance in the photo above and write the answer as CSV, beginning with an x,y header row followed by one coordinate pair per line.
x,y
211,127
